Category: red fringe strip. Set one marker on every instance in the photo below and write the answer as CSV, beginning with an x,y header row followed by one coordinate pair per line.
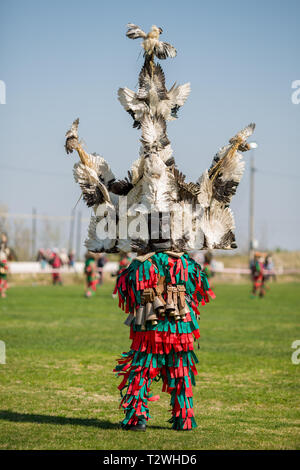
x,y
161,342
142,377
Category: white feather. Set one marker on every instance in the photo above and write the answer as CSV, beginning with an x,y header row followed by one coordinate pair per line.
x,y
233,168
166,153
129,102
215,223
137,169
149,130
178,95
205,194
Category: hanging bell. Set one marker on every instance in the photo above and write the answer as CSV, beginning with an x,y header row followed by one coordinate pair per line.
x,y
139,315
176,314
129,319
158,305
182,313
143,327
170,309
150,314
181,296
184,310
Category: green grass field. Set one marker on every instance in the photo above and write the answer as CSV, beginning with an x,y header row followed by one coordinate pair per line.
x,y
57,389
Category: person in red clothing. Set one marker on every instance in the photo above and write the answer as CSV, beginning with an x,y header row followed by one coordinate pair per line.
x,y
258,275
3,273
124,262
90,270
56,264
6,254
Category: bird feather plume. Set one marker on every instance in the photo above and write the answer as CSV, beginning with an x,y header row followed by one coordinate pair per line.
x,y
244,134
135,32
72,137
217,223
163,50
154,132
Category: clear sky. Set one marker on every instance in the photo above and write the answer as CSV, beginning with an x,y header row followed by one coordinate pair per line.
x,y
64,59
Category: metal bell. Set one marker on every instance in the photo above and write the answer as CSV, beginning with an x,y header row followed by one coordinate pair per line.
x,y
182,313
150,314
176,315
140,315
129,319
158,305
170,309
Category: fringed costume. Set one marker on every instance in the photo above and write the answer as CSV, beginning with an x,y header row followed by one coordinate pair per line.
x,y
161,294
159,216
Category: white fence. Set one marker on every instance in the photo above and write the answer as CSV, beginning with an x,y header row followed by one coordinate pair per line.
x,y
19,267
29,267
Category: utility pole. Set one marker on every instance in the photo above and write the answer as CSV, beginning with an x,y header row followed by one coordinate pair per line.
x,y
251,207
33,234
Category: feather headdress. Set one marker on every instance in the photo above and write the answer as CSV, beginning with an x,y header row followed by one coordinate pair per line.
x,y
161,210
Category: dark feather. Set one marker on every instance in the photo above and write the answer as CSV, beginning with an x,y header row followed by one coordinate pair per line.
x,y
174,111
70,144
146,80
170,162
244,147
121,187
92,195
164,50
160,82
140,246
136,124
228,240
224,190
179,245
186,190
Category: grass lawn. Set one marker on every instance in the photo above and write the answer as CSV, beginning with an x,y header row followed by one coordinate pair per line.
x,y
57,389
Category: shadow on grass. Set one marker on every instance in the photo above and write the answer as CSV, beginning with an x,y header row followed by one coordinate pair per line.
x,y
8,415
15,417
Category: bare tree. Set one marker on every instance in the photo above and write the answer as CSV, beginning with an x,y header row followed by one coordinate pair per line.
x,y
50,234
4,223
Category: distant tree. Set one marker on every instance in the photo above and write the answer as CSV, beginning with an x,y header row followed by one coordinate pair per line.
x,y
19,236
20,240
50,234
4,223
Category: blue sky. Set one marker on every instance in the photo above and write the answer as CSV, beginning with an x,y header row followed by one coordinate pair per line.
x,y
63,59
